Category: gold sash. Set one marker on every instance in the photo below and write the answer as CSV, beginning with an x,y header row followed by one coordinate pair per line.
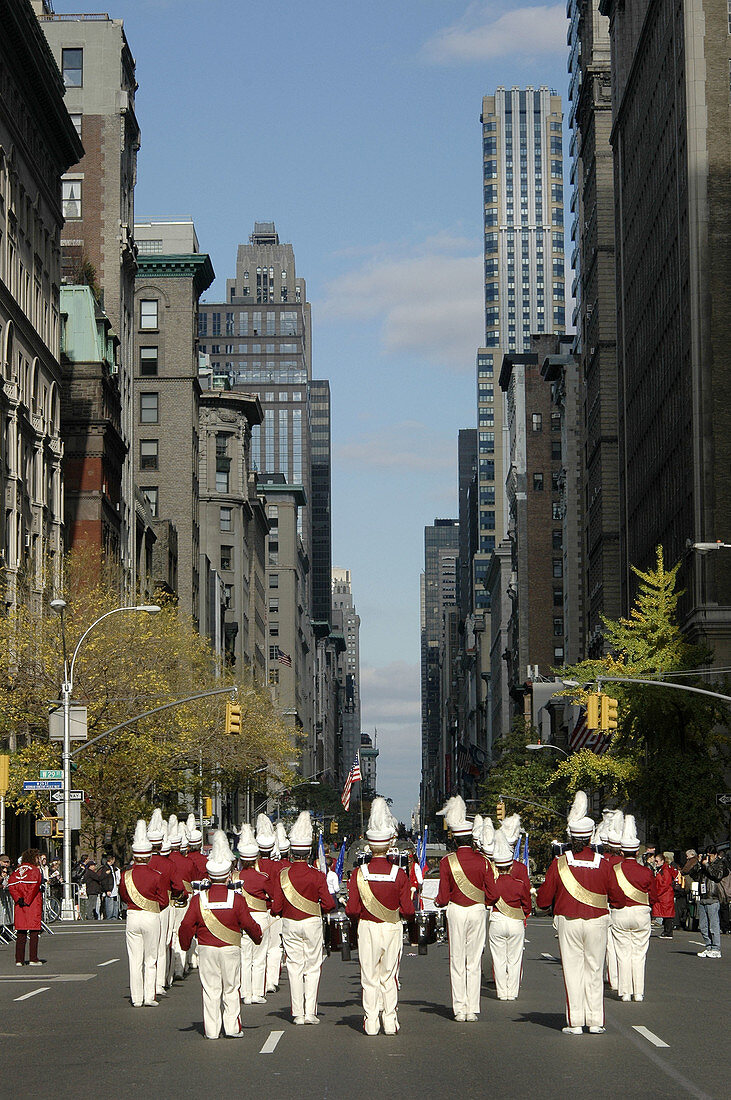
x,y
372,904
296,899
474,893
139,899
632,892
577,891
509,910
258,905
218,928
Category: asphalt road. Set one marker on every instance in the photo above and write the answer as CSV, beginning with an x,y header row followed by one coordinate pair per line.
x,y
69,1029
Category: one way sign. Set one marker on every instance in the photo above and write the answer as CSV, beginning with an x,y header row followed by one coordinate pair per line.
x,y
74,796
723,799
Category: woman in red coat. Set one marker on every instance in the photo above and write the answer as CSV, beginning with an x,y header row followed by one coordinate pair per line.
x,y
24,887
665,905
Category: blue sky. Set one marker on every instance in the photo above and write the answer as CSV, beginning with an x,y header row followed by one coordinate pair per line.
x,y
355,127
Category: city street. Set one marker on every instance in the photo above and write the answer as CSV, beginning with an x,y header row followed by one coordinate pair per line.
x,y
73,1029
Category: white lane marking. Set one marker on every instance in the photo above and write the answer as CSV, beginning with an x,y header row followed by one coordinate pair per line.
x,y
108,962
271,1044
545,956
698,943
649,1035
33,992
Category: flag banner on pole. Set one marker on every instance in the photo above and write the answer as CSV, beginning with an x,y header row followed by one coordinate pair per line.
x,y
284,658
516,853
422,861
354,776
321,854
525,851
340,865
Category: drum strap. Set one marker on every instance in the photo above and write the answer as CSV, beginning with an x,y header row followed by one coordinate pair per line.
x,y
508,910
468,888
632,892
372,904
293,896
139,899
575,889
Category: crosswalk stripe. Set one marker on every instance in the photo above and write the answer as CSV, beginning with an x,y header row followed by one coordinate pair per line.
x,y
33,993
108,962
271,1044
649,1035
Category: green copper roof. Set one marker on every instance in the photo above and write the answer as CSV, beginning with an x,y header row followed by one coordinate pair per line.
x,y
193,265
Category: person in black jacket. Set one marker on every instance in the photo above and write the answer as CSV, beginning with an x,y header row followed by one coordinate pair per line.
x,y
709,869
92,881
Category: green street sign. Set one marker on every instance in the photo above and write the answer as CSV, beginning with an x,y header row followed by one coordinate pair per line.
x,y
52,774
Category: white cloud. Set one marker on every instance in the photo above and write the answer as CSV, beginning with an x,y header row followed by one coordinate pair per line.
x,y
482,33
408,445
428,303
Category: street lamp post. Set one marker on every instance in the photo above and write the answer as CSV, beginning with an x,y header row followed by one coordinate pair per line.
x,y
535,748
67,905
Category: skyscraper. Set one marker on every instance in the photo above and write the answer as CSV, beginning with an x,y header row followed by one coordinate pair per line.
x,y
320,503
346,619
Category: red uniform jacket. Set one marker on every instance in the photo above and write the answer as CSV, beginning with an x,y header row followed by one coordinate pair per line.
x,y
391,889
235,916
198,859
664,900
475,867
592,873
24,885
182,871
512,886
150,883
307,881
285,861
272,868
162,865
638,876
258,884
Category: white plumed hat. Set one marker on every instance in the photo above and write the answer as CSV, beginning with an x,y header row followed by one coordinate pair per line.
x,y
477,829
154,829
630,840
282,838
247,846
602,830
382,826
174,833
221,857
141,846
511,829
183,828
195,836
488,836
503,850
165,850
616,828
264,832
300,835
454,813
579,823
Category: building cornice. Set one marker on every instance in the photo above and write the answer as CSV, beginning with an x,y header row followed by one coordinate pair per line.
x,y
195,265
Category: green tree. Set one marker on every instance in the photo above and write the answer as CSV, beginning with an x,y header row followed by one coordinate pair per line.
x,y
669,753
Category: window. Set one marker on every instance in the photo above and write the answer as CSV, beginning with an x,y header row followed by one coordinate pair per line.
x,y
76,119
72,68
555,482
555,422
273,672
227,557
274,630
71,199
152,494
555,450
556,511
148,313
558,654
558,597
148,454
274,605
537,483
273,652
558,567
226,519
149,408
221,481
558,627
557,539
229,590
537,422
148,362
274,580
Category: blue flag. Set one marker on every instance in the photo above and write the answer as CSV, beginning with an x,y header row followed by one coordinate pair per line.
x,y
340,865
422,858
525,851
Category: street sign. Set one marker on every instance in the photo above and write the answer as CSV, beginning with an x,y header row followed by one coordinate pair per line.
x,y
74,815
55,773
77,724
42,785
74,796
723,799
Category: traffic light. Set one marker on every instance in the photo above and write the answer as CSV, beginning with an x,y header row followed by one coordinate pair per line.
x,y
208,807
4,773
233,718
592,711
500,810
608,713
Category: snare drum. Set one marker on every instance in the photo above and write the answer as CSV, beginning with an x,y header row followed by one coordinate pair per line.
x,y
342,933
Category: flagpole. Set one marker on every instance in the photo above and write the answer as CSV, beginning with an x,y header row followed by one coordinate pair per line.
x,y
362,831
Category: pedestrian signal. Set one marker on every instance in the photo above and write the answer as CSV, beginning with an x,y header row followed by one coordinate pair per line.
x,y
592,711
233,718
608,713
500,810
208,807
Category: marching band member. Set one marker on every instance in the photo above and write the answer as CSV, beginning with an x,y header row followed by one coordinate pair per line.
x,y
275,927
631,922
157,835
463,877
283,843
301,897
258,891
577,885
610,838
266,839
217,917
379,895
183,874
145,892
197,858
510,898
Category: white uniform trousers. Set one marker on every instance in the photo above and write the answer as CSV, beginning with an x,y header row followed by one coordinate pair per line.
x,y
220,974
274,953
506,936
611,960
379,954
163,950
467,929
630,931
177,955
254,959
303,944
583,945
143,938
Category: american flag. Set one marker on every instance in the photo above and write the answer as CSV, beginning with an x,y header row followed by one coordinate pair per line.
x,y
284,658
354,776
584,738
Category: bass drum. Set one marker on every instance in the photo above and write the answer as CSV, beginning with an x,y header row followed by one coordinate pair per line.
x,y
342,934
426,923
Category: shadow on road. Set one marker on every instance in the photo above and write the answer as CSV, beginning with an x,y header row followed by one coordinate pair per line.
x,y
553,1020
432,1009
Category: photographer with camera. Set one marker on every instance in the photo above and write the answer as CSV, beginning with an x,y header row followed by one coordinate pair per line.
x,y
708,871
